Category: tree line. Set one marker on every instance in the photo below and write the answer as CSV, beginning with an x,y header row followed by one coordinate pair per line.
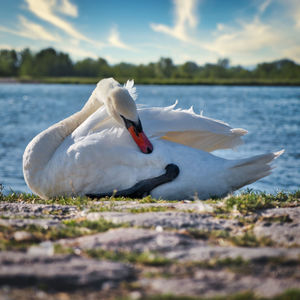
x,y
51,63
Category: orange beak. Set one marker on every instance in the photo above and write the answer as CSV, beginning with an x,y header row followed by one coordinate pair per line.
x,y
138,135
141,140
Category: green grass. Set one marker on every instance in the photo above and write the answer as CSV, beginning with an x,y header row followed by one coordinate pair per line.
x,y
139,210
224,237
82,202
68,229
246,202
293,294
250,201
169,81
144,258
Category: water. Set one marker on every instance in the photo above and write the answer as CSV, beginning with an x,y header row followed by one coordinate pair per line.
x,y
270,114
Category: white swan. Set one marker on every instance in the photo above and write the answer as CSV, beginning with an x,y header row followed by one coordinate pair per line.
x,y
92,151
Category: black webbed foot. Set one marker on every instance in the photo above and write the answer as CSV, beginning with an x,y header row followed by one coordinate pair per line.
x,y
144,187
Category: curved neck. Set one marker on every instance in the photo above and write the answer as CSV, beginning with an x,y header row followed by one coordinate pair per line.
x,y
41,149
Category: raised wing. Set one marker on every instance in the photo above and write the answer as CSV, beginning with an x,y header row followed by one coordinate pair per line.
x,y
188,128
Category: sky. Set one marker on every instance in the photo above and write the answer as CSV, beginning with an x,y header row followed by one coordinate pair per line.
x,y
141,31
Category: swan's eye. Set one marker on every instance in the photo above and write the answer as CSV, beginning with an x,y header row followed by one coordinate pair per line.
x,y
136,126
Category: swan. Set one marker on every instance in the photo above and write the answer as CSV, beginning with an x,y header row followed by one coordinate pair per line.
x,y
111,145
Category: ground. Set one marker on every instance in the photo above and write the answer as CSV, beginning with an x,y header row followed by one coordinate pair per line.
x,y
240,247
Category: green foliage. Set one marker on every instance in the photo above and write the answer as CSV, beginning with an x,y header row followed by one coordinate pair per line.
x,y
8,63
50,65
222,237
68,229
293,294
250,201
144,258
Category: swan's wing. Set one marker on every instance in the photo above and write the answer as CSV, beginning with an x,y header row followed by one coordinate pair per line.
x,y
190,129
97,121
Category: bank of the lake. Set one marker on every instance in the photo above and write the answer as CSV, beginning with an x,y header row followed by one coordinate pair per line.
x,y
158,81
241,247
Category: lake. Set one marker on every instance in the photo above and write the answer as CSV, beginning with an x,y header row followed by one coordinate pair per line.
x,y
270,114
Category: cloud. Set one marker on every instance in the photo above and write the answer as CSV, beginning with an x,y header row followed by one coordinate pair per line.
x,y
292,52
30,30
294,7
45,10
248,37
264,5
77,52
185,18
68,8
114,40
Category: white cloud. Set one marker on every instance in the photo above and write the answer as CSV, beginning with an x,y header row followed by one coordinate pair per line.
x,y
77,52
244,39
68,8
294,6
45,10
185,17
114,40
292,52
264,5
30,30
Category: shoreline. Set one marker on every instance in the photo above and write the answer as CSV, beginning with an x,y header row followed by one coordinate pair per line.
x,y
150,81
114,248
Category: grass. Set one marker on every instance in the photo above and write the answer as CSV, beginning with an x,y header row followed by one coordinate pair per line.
x,y
81,202
250,201
68,229
168,81
144,258
246,202
224,237
292,294
139,210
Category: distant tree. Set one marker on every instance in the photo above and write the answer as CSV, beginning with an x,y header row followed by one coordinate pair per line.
x,y
26,63
188,70
104,69
280,69
124,70
164,68
145,71
87,67
223,62
8,63
48,62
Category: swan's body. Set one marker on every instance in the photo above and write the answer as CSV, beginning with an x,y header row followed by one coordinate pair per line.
x,y
92,152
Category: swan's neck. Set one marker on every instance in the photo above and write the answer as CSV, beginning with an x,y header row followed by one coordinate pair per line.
x,y
41,149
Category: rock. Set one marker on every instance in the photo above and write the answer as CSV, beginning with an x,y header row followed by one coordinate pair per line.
x,y
37,210
43,249
176,220
61,272
281,225
193,245
218,283
175,246
23,236
132,239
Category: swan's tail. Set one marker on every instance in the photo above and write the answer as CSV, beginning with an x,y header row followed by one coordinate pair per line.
x,y
246,171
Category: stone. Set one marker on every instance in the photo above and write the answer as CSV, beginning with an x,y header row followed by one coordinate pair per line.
x,y
218,283
175,246
23,236
61,272
281,225
175,220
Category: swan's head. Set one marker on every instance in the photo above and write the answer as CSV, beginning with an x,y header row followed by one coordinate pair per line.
x,y
122,108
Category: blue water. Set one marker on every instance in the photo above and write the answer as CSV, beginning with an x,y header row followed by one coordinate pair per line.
x,y
270,114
